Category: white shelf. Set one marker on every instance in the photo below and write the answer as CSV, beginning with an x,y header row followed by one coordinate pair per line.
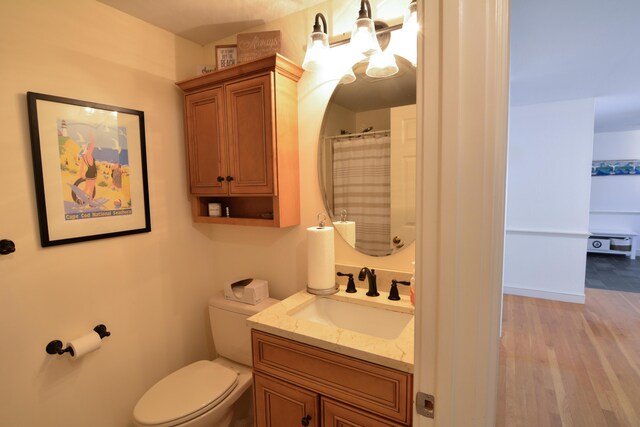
x,y
631,253
610,252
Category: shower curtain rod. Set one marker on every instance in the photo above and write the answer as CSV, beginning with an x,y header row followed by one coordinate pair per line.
x,y
355,135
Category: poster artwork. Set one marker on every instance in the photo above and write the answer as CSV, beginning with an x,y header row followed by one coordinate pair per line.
x,y
227,57
94,167
615,167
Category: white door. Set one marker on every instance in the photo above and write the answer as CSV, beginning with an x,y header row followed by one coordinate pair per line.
x,y
403,175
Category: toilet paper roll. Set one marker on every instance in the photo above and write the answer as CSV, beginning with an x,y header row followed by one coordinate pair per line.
x,y
321,259
347,230
85,344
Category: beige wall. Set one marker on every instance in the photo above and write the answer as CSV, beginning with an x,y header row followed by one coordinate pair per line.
x,y
150,289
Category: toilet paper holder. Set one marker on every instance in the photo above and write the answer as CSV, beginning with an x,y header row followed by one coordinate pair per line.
x,y
55,346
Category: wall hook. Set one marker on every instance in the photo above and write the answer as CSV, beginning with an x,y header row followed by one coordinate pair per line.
x,y
7,247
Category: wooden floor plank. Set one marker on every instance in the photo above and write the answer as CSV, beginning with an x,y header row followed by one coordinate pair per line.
x,y
564,364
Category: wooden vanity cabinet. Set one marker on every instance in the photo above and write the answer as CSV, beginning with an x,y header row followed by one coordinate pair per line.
x,y
241,132
293,381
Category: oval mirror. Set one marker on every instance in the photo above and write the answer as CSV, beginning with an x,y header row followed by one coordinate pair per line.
x,y
367,160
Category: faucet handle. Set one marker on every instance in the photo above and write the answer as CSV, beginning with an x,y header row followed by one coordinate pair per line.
x,y
393,292
351,285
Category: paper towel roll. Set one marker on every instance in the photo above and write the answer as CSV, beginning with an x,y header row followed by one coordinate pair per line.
x,y
85,344
347,230
321,259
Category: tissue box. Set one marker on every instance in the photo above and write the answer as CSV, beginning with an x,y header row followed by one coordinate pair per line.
x,y
248,291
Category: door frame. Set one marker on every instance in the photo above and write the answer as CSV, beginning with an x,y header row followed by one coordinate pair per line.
x,y
463,86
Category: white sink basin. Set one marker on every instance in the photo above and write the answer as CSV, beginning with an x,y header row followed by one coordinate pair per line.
x,y
364,319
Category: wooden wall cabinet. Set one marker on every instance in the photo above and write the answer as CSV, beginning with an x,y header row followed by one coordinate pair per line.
x,y
300,385
241,132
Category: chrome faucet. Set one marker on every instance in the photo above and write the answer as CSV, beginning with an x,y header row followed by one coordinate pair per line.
x,y
371,275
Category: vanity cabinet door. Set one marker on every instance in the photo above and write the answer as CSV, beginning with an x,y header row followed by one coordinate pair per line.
x,y
335,414
250,136
206,149
280,404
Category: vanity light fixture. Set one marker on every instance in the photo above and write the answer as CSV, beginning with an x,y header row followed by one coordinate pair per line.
x,y
364,42
410,29
318,46
363,36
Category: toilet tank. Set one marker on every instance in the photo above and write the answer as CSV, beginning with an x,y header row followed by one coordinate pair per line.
x,y
231,334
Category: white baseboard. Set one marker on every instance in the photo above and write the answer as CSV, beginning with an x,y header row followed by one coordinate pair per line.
x,y
536,293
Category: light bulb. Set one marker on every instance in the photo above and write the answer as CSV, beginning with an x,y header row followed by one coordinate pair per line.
x,y
317,52
409,34
363,37
317,46
382,64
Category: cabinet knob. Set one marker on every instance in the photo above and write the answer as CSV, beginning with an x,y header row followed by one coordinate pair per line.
x,y
229,178
220,178
305,420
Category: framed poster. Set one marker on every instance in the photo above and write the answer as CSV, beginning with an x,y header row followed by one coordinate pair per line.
x,y
90,169
226,55
615,167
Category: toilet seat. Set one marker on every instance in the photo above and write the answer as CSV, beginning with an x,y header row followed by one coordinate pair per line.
x,y
185,394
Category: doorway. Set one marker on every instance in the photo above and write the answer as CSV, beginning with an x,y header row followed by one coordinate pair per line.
x,y
573,98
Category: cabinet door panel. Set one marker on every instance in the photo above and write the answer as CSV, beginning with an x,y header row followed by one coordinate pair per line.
x,y
250,133
205,141
279,404
335,414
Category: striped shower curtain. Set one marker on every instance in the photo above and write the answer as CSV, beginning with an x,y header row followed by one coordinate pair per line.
x,y
361,183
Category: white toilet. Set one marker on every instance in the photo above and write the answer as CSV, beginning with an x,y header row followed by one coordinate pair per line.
x,y
208,393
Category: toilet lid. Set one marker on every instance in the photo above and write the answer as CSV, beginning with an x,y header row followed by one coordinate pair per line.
x,y
185,394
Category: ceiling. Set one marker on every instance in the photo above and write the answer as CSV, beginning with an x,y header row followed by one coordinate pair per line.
x,y
205,21
571,49
560,49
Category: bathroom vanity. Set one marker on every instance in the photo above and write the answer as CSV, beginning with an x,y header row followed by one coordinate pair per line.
x,y
310,371
241,127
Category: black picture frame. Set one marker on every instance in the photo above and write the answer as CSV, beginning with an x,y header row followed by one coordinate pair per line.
x,y
90,169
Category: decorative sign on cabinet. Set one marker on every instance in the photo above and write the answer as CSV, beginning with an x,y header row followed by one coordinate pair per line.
x,y
241,130
252,46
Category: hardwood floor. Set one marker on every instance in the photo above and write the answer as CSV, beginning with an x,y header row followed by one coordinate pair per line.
x,y
564,364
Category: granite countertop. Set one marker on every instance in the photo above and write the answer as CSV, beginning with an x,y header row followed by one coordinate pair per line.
x,y
394,353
